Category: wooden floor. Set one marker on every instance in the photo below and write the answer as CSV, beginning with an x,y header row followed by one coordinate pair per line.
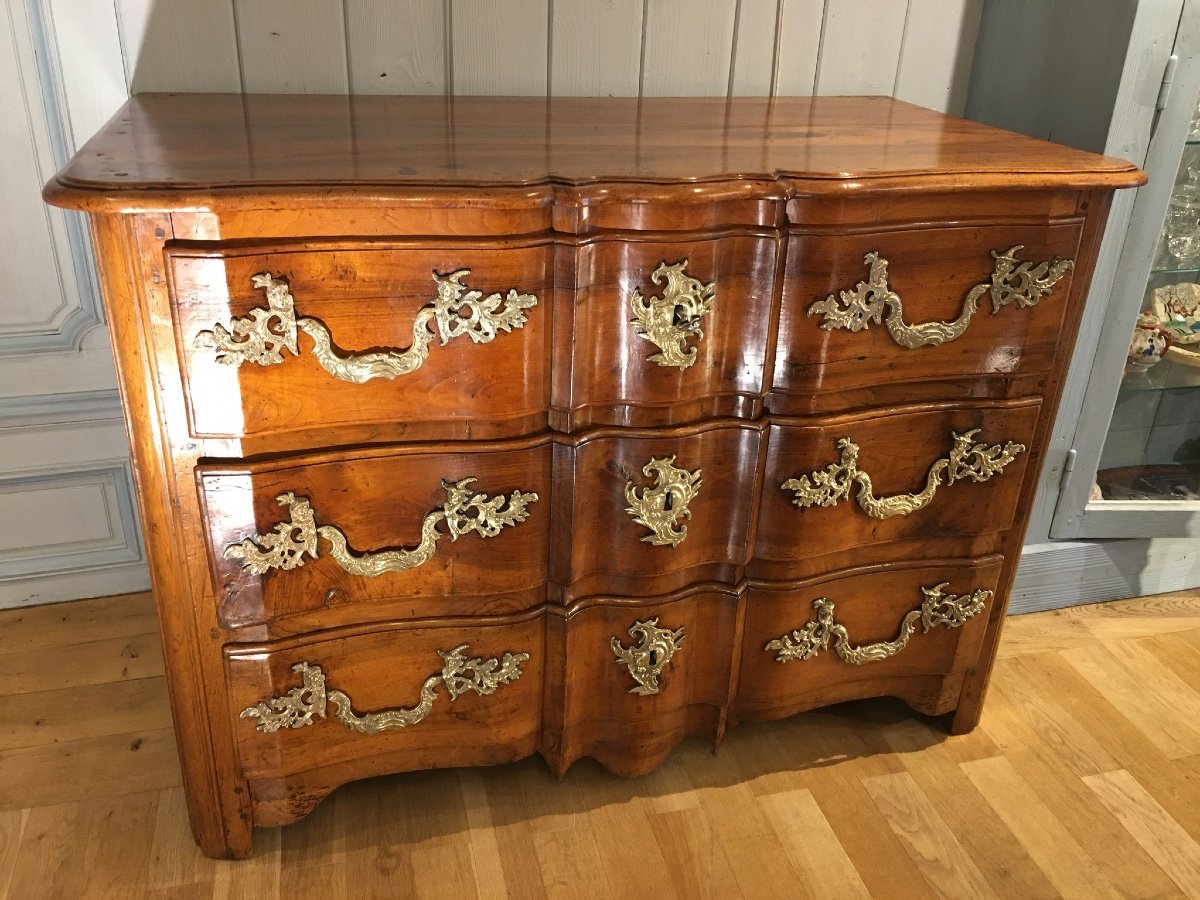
x,y
1083,781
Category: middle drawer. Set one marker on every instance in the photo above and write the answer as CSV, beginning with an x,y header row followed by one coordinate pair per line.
x,y
422,530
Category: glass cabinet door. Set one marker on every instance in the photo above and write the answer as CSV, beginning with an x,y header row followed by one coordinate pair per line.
x,y
1151,455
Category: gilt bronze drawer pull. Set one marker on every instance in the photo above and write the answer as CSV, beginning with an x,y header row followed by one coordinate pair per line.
x,y
661,506
647,660
829,486
296,708
1011,281
668,321
261,336
937,609
285,545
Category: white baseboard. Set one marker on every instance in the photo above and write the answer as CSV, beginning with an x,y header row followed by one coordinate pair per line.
x,y
1070,573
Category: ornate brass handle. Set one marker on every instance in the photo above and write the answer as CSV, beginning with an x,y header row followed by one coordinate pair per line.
x,y
263,335
285,546
937,609
660,507
668,321
830,485
296,708
1011,281
647,660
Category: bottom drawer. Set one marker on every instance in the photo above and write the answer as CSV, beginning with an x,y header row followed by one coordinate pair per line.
x,y
638,676
905,631
369,700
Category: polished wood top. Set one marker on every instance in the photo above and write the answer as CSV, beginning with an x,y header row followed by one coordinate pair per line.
x,y
171,151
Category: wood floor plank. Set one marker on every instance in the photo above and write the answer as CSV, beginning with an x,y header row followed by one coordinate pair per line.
x,y
836,783
122,658
985,838
1058,629
1128,744
696,862
12,824
813,848
943,862
672,788
1078,626
83,713
1179,652
515,836
175,861
569,860
1122,671
632,867
99,767
1044,722
1051,845
739,826
50,856
1151,826
486,863
441,871
256,878
65,624
120,829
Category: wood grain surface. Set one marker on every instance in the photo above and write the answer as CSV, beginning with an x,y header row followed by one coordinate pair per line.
x,y
1059,793
170,149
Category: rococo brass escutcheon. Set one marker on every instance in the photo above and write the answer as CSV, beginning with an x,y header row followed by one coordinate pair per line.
x,y
646,661
261,336
285,546
668,321
661,507
937,609
829,486
1011,281
296,708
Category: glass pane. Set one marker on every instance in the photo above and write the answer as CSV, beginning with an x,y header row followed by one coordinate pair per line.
x,y
1152,451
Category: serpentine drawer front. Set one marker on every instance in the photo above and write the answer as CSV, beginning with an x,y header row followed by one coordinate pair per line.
x,y
944,311
470,430
374,331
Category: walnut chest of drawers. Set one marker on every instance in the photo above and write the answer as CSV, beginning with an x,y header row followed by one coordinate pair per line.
x,y
466,430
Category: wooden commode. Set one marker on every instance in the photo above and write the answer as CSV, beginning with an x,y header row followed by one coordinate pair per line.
x,y
472,428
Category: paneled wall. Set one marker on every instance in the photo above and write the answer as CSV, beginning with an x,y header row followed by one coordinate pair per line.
x,y
918,50
67,522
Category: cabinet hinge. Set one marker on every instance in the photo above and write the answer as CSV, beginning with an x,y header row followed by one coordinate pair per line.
x,y
1067,469
1168,79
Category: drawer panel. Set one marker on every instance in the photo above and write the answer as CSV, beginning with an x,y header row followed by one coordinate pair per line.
x,y
354,343
378,534
645,513
922,275
389,699
939,480
882,631
667,332
638,676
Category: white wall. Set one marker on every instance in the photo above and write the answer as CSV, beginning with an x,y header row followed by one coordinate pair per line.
x,y
917,50
67,526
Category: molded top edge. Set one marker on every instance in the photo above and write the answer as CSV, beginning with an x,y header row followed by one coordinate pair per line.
x,y
177,151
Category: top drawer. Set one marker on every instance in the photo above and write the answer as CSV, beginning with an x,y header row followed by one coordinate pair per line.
x,y
917,313
293,345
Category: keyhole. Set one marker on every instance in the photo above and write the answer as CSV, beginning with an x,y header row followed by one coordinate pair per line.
x,y
654,657
668,501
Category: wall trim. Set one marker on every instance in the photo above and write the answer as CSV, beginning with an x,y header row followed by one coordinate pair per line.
x,y
76,559
57,409
1071,573
60,332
